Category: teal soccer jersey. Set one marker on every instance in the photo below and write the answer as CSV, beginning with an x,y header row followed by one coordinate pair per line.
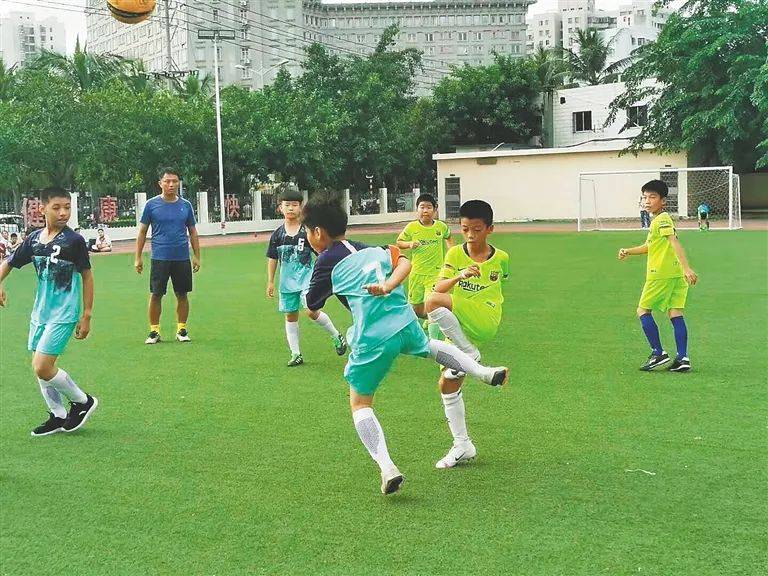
x,y
295,256
343,269
58,264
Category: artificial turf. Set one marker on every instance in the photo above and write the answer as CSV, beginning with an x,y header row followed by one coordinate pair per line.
x,y
213,458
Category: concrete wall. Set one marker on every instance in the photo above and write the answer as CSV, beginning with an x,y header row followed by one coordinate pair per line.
x,y
754,191
544,184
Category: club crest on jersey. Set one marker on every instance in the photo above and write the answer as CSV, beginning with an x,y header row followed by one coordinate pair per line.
x,y
494,276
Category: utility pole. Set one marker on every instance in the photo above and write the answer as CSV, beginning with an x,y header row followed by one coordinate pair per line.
x,y
216,35
168,58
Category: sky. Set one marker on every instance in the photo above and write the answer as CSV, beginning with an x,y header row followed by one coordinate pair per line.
x,y
74,21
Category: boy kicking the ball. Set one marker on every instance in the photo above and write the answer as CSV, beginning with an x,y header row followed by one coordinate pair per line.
x,y
64,276
467,305
367,280
288,247
667,280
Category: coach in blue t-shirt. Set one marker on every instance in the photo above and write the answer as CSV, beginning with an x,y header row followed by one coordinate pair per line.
x,y
170,217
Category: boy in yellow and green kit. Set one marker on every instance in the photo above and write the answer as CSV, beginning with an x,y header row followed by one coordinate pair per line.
x,y
427,237
667,280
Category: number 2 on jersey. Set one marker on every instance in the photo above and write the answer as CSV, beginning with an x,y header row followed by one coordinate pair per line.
x,y
55,254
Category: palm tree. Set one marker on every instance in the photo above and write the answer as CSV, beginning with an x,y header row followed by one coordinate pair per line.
x,y
587,65
84,70
7,80
139,79
194,87
551,69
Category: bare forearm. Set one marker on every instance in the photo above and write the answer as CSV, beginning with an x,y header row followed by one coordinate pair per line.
x,y
194,239
141,239
399,274
636,250
5,269
271,270
449,243
87,293
403,245
445,286
678,248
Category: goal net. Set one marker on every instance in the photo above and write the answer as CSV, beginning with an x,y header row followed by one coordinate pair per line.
x,y
612,200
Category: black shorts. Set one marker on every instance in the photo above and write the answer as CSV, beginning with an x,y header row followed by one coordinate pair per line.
x,y
179,271
703,215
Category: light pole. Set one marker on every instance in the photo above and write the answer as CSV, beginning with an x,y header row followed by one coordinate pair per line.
x,y
216,35
263,70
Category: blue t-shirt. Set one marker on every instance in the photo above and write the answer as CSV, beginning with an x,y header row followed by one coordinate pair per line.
x,y
343,269
169,221
704,208
295,256
59,284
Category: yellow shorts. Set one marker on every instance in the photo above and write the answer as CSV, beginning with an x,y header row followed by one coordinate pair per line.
x,y
479,320
419,285
663,295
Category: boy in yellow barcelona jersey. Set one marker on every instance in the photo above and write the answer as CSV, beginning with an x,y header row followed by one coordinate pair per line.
x,y
466,304
667,280
427,237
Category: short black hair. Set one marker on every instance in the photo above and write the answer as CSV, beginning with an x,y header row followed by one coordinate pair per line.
x,y
477,209
326,212
14,234
100,229
168,170
53,192
291,195
427,198
658,186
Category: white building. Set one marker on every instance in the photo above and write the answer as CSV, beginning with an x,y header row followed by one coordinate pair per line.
x,y
580,15
544,30
23,35
578,115
270,34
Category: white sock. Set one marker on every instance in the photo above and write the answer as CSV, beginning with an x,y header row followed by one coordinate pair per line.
x,y
448,355
52,398
450,326
63,383
372,436
454,413
292,333
324,321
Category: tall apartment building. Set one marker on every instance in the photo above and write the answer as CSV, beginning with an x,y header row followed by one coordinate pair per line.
x,y
24,34
270,34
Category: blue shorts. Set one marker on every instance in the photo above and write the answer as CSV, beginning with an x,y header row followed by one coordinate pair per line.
x,y
365,371
292,301
50,338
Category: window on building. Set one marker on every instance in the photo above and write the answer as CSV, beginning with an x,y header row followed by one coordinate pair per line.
x,y
290,13
463,49
462,36
430,37
430,50
637,116
479,48
582,121
215,13
478,35
411,37
243,54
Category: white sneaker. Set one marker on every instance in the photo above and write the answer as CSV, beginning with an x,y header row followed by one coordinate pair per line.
x,y
458,454
153,338
391,481
497,376
183,336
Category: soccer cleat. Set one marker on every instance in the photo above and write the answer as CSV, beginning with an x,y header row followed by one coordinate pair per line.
x,y
340,343
497,376
391,481
51,426
296,360
680,365
655,361
79,413
152,338
451,374
458,454
182,335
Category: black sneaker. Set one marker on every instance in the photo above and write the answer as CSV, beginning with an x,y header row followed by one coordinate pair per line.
x,y
340,344
296,360
655,361
153,338
680,365
51,426
79,413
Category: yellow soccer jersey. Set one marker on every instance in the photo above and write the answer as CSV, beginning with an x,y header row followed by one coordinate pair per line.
x,y
486,288
662,260
427,259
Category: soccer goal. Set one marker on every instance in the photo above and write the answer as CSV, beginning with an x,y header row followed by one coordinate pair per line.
x,y
611,200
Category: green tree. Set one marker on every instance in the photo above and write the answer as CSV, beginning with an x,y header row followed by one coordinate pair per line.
x,y
7,80
85,71
193,86
705,80
489,104
588,63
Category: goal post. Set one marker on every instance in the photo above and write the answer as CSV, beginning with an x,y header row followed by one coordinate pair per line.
x,y
611,200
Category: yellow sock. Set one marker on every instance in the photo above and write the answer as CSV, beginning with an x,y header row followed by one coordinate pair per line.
x,y
154,328
180,325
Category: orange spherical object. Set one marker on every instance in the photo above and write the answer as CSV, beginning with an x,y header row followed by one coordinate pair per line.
x,y
131,11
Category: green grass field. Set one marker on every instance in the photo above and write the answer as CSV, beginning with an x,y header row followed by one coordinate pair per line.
x,y
214,459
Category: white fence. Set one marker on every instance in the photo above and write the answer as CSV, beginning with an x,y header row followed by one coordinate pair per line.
x,y
208,226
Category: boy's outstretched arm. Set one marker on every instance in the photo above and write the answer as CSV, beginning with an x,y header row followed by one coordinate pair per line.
x,y
690,275
634,251
5,269
445,286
